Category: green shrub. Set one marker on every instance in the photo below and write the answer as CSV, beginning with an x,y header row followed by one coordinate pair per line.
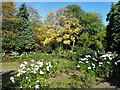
x,y
102,66
57,50
4,58
76,48
8,42
33,75
47,49
77,81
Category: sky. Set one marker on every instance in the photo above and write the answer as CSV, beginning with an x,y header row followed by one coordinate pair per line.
x,y
44,8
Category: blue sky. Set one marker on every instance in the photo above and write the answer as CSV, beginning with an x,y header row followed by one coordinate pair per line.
x,y
45,7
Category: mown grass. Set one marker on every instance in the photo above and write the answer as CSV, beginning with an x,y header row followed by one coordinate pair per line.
x,y
55,83
10,65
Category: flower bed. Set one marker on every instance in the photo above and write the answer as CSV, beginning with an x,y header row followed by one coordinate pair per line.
x,y
33,75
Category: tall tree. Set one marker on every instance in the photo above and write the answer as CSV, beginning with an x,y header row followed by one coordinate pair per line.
x,y
25,41
113,29
77,12
8,15
93,32
36,23
67,26
9,23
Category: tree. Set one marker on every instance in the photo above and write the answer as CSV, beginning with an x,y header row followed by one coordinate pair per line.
x,y
77,12
93,32
47,35
25,41
36,23
67,26
8,15
113,29
9,23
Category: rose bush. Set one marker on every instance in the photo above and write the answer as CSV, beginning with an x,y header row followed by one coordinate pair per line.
x,y
33,75
101,66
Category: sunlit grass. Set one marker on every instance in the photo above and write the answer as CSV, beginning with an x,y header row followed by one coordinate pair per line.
x,y
10,65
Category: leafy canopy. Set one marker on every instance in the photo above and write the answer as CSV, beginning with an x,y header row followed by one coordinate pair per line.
x,y
113,29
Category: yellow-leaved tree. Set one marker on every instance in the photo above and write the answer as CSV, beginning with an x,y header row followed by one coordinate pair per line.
x,y
9,24
47,34
67,27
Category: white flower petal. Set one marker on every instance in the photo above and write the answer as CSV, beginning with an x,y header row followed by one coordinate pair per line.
x,y
18,74
78,66
32,60
115,63
89,67
25,62
22,65
37,86
47,68
41,72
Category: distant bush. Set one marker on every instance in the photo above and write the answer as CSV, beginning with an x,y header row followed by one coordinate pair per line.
x,y
76,48
47,49
8,42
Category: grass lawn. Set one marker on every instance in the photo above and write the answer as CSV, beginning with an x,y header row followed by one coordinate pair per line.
x,y
7,66
10,65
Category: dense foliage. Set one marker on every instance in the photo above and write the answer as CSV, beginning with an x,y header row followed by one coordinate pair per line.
x,y
113,29
66,28
93,30
25,40
9,24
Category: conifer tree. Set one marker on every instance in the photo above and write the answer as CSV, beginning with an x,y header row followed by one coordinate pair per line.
x,y
25,41
113,29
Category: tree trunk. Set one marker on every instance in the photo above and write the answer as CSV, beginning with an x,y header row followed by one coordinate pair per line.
x,y
73,46
60,46
96,54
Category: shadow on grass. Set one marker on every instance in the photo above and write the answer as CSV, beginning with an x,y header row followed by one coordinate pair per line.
x,y
115,77
115,80
6,83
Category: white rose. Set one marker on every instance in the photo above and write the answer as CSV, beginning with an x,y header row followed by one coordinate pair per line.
x,y
37,86
18,74
32,60
37,81
41,72
86,61
26,77
22,65
25,62
100,62
78,66
115,63
89,67
47,68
